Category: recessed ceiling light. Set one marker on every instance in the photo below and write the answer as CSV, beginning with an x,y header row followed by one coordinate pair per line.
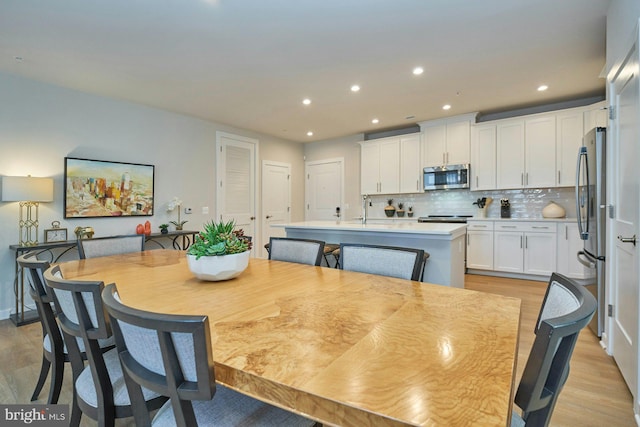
x,y
355,88
309,133
375,121
542,88
446,107
306,101
418,70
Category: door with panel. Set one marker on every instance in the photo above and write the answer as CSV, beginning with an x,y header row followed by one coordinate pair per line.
x,y
323,189
623,258
236,181
276,201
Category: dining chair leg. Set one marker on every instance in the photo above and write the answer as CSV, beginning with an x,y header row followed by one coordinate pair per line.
x,y
44,371
76,413
57,375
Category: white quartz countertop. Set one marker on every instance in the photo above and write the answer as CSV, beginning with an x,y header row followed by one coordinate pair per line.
x,y
397,227
540,219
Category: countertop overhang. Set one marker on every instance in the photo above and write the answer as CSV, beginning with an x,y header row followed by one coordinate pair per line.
x,y
449,230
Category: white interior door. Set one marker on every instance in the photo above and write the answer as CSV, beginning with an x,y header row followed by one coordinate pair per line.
x,y
276,201
624,137
324,189
236,181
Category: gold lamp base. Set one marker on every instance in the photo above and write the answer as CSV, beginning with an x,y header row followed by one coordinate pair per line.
x,y
28,224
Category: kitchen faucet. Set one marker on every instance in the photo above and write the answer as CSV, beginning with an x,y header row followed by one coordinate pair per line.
x,y
364,208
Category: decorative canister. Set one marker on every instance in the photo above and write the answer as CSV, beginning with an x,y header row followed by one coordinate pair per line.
x,y
553,210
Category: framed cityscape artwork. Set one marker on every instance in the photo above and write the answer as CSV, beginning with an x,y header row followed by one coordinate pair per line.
x,y
98,188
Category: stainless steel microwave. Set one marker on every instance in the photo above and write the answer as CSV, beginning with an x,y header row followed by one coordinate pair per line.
x,y
446,177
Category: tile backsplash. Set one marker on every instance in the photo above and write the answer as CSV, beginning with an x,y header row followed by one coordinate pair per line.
x,y
526,203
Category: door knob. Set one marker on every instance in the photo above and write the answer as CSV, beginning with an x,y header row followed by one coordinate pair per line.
x,y
252,218
269,216
628,239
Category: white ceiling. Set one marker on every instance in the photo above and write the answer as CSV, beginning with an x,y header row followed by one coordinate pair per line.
x,y
249,63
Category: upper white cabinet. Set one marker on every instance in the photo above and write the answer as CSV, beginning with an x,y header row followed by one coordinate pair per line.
x,y
526,151
483,157
540,151
569,132
391,165
510,154
596,115
380,166
410,164
447,141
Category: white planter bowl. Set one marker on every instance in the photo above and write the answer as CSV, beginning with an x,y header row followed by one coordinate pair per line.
x,y
216,268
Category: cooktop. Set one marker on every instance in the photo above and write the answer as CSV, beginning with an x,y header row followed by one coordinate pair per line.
x,y
445,218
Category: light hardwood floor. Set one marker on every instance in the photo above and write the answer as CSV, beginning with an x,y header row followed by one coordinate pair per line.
x,y
595,394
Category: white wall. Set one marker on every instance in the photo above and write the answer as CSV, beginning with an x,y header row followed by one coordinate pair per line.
x,y
40,124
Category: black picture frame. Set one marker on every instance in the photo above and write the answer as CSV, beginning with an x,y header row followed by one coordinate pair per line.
x,y
101,188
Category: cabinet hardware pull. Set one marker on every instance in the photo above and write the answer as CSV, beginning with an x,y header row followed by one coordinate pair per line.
x,y
417,184
520,242
521,178
476,180
540,226
558,177
508,226
526,180
526,242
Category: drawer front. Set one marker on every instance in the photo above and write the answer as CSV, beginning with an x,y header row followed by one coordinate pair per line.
x,y
526,226
480,225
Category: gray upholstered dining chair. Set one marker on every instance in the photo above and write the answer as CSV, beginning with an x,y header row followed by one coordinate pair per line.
x,y
54,350
566,309
54,353
99,388
392,261
104,246
171,355
303,251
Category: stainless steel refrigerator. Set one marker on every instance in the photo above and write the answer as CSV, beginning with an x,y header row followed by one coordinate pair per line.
x,y
591,211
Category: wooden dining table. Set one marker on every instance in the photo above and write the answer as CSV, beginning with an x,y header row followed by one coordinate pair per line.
x,y
343,348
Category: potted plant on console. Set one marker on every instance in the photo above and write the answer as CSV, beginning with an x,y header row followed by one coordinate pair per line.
x,y
219,252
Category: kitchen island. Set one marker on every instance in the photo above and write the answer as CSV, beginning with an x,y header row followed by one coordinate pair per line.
x,y
444,242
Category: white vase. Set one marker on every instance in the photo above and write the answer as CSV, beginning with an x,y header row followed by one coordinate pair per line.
x,y
216,268
553,210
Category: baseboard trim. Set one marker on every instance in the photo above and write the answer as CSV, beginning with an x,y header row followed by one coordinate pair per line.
x,y
508,275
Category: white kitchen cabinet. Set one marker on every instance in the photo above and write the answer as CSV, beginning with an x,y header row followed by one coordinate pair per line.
x,y
569,243
596,115
391,165
526,152
540,151
483,157
569,133
410,164
525,247
510,154
380,166
480,245
447,141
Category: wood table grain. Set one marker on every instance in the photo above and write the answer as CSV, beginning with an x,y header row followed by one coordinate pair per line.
x,y
344,348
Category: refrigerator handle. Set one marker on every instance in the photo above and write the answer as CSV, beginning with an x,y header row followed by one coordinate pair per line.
x,y
582,152
586,260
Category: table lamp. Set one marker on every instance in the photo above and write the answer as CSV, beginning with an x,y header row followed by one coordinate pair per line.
x,y
29,192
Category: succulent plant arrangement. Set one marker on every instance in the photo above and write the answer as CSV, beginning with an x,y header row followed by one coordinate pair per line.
x,y
219,238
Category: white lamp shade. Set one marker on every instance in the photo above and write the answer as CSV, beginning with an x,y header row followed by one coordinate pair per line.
x,y
27,189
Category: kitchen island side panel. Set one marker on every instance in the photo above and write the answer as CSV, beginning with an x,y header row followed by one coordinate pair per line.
x,y
445,265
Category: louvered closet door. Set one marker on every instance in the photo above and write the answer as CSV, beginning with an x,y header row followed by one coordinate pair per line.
x,y
236,181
